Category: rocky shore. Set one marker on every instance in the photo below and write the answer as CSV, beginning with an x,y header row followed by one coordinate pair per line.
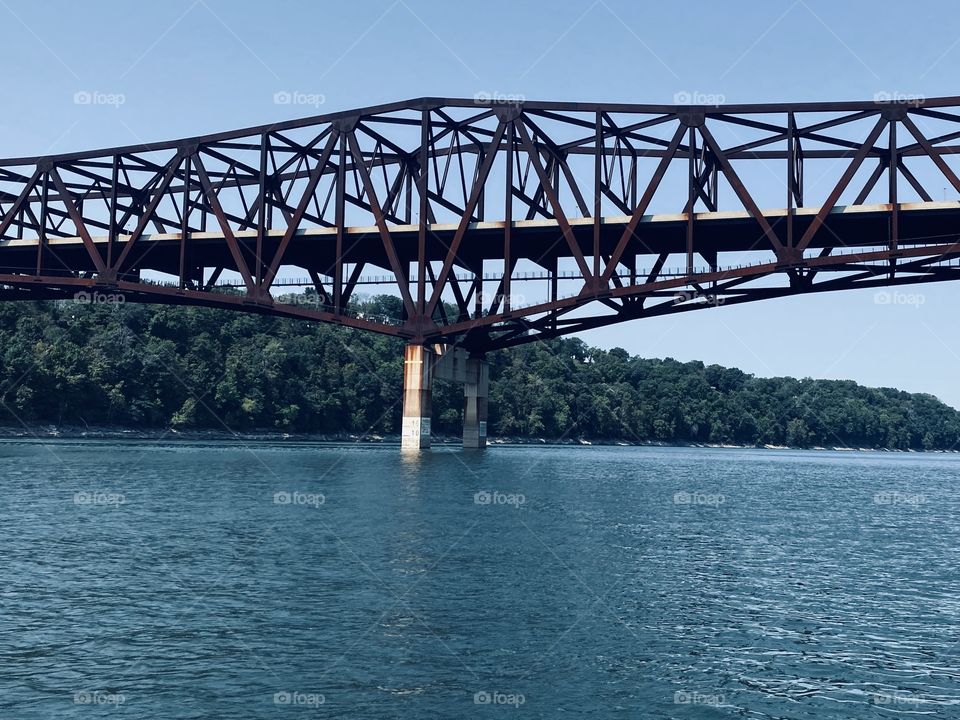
x,y
67,432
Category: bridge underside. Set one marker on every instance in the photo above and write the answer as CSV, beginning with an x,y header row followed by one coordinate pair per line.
x,y
845,229
852,250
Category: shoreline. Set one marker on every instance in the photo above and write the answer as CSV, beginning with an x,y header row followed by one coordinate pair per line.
x,y
53,432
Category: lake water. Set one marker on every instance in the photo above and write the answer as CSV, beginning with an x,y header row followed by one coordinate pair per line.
x,y
197,580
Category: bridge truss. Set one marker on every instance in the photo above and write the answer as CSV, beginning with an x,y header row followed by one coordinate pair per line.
x,y
612,211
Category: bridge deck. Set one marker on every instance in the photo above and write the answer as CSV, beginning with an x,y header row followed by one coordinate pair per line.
x,y
852,226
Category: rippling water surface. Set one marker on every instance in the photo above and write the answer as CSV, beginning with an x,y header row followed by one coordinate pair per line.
x,y
147,580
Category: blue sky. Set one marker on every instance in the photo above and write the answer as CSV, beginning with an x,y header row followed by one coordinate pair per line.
x,y
190,67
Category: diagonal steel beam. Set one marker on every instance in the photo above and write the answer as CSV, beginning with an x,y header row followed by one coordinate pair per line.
x,y
19,202
294,222
475,194
914,183
841,185
933,153
388,246
740,189
159,194
642,206
547,187
225,228
77,220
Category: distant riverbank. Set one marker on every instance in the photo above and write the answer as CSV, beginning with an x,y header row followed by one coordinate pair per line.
x,y
126,367
67,432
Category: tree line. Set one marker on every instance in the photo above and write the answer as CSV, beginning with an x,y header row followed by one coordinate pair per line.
x,y
152,366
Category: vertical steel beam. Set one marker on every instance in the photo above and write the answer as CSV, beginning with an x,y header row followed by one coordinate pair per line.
x,y
791,160
597,159
478,289
423,185
42,235
554,284
508,221
263,210
112,230
691,194
339,221
894,203
185,222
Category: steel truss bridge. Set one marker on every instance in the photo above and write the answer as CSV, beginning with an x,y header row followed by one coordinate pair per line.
x,y
611,212
621,211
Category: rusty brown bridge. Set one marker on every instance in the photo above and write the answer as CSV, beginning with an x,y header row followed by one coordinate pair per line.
x,y
497,223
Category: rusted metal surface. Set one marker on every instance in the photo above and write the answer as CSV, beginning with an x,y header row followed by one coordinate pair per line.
x,y
455,201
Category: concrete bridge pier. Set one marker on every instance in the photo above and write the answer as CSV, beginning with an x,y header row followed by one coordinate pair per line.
x,y
420,366
417,385
476,392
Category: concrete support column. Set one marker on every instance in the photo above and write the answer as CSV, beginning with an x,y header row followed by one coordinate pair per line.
x,y
476,393
417,382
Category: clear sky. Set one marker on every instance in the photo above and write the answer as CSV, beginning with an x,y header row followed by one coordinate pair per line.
x,y
186,67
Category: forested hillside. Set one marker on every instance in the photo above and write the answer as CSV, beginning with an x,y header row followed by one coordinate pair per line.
x,y
143,366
